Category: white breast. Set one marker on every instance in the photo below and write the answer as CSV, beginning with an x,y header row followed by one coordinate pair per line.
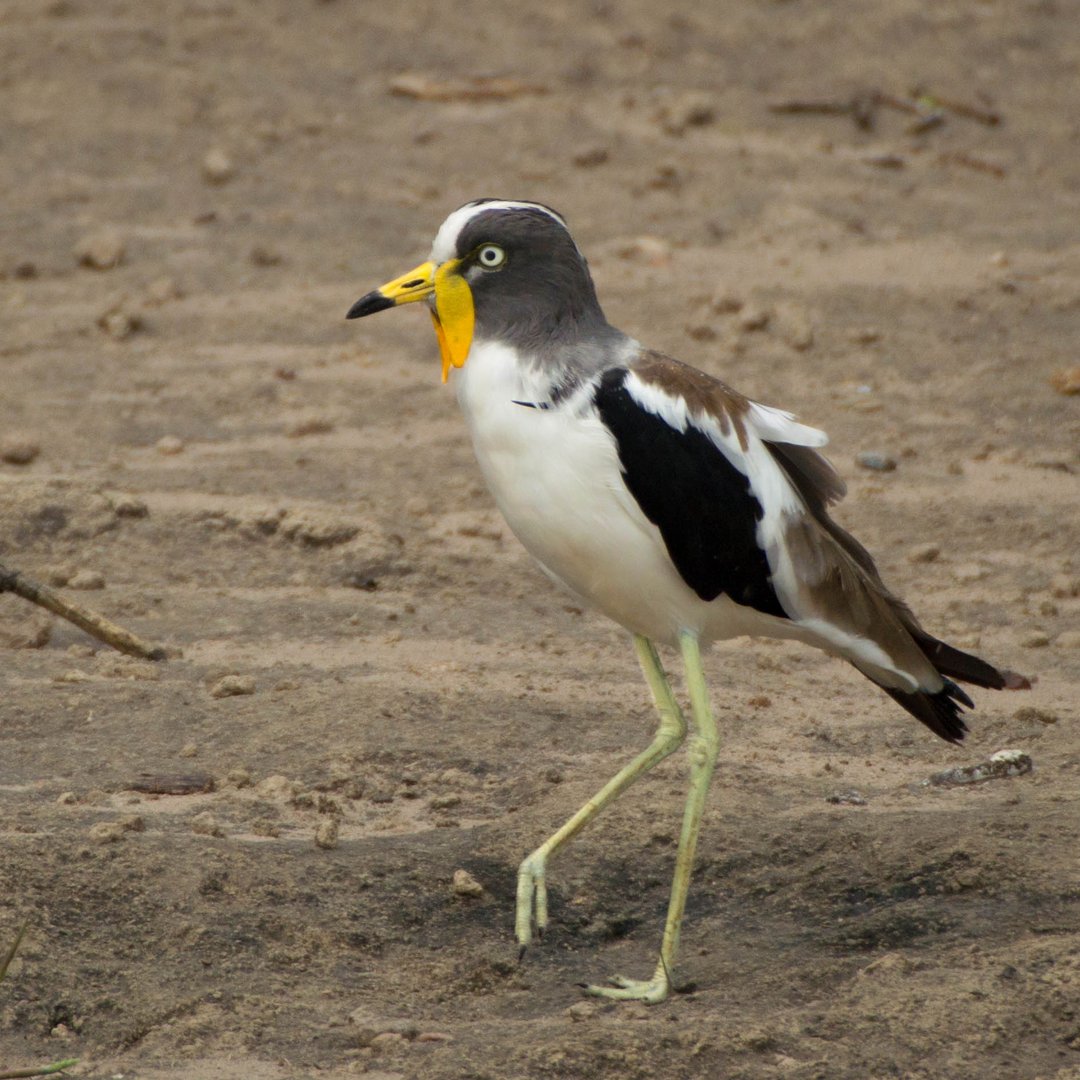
x,y
555,475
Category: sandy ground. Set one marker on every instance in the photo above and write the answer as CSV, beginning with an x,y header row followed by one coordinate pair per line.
x,y
288,498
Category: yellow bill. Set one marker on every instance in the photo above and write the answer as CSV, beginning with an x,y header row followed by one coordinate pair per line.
x,y
453,313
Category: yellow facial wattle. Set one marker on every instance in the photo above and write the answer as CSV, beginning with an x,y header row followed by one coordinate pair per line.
x,y
454,317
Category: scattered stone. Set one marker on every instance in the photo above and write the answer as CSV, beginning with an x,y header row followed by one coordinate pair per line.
x,y
169,445
590,157
74,675
132,823
30,630
445,802
1066,381
968,573
581,1011
107,832
701,332
313,529
189,750
1068,639
465,885
67,798
1035,639
726,302
683,110
386,1040
752,318
18,449
266,256
846,798
24,271
205,824
217,167
100,250
120,320
434,1036
1000,766
162,291
279,787
240,778
87,580
464,88
870,459
312,425
1064,586
999,259
128,506
651,250
795,328
326,835
233,686
924,553
1029,714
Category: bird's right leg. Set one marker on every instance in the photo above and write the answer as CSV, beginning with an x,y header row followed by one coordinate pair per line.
x,y
532,888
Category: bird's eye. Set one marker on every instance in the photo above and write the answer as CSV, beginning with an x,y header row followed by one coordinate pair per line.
x,y
491,257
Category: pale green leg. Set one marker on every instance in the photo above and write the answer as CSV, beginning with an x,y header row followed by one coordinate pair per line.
x,y
532,889
704,745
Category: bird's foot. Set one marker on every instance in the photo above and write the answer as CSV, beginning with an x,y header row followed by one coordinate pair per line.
x,y
531,898
652,991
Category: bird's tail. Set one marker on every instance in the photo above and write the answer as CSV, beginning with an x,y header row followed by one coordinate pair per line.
x,y
941,711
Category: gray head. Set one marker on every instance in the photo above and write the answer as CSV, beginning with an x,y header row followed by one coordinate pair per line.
x,y
530,283
511,272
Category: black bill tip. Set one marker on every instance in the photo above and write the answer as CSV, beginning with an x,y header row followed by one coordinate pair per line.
x,y
368,305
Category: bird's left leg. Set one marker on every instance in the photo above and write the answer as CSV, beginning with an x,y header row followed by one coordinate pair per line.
x,y
704,747
532,886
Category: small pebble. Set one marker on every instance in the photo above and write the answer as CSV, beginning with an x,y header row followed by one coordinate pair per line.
x,y
107,832
1035,639
651,250
101,250
924,553
967,573
591,156
265,256
205,824
24,271
120,322
312,425
240,778
864,335
434,1036
162,291
127,506
233,686
217,167
326,835
581,1011
132,823
752,318
1068,639
726,302
87,580
870,459
1029,714
687,109
169,444
18,450
1066,381
67,798
464,884
189,750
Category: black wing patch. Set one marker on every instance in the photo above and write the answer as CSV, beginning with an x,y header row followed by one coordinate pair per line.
x,y
700,502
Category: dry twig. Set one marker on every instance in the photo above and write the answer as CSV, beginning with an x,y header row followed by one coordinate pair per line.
x,y
95,625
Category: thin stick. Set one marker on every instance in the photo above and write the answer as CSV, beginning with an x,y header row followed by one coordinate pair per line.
x,y
43,1070
95,625
40,1070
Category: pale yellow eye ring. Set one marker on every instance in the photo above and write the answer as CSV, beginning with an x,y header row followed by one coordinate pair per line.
x,y
491,256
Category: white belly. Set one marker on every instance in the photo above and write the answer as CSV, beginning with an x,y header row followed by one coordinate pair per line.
x,y
555,475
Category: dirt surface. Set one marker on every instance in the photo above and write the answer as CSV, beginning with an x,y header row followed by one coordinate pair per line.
x,y
290,500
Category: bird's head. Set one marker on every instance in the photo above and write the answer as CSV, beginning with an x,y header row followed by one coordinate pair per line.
x,y
508,271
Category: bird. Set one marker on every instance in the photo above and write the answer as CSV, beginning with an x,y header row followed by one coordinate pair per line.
x,y
683,510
